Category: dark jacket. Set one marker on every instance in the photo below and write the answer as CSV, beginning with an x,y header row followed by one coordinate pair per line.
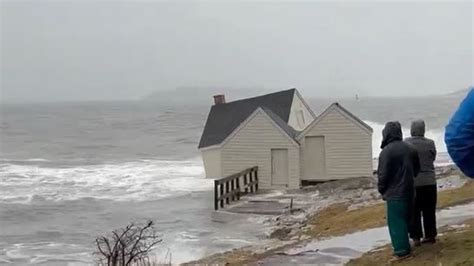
x,y
459,135
426,152
398,165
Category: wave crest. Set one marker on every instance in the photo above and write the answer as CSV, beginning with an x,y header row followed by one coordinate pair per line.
x,y
437,135
136,181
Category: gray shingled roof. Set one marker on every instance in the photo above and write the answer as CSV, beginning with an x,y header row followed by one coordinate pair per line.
x,y
282,124
223,119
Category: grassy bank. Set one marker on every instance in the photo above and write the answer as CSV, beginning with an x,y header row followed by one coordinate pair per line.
x,y
455,247
243,256
332,221
336,220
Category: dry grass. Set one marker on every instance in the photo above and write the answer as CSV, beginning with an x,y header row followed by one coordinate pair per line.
x,y
237,257
337,220
454,247
233,257
456,196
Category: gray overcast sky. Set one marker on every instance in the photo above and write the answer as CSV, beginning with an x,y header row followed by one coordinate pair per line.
x,y
89,50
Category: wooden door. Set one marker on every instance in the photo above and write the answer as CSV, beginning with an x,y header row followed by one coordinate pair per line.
x,y
315,158
280,167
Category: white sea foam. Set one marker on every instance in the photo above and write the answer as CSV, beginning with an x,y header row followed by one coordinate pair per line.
x,y
25,160
35,253
437,135
138,181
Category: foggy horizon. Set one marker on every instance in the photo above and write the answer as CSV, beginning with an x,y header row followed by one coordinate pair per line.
x,y
207,99
105,51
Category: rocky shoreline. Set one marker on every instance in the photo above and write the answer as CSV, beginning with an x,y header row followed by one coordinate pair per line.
x,y
357,193
287,214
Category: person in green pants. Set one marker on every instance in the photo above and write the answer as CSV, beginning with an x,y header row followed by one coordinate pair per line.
x,y
398,166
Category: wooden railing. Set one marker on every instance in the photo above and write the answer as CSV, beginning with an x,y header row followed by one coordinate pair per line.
x,y
230,188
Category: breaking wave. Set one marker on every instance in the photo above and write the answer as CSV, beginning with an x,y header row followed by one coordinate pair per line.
x,y
131,181
437,135
44,252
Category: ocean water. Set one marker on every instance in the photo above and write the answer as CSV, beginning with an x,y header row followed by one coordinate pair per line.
x,y
72,171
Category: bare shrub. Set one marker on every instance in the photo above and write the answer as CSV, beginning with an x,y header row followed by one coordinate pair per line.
x,y
127,246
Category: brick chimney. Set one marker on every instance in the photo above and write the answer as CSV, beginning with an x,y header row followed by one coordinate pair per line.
x,y
219,99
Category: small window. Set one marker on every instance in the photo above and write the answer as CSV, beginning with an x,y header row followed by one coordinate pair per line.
x,y
300,118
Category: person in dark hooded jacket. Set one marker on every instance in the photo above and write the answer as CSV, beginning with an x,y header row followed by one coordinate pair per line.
x,y
398,165
425,186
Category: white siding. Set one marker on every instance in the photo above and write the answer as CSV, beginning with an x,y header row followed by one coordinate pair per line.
x,y
297,108
348,146
212,162
251,146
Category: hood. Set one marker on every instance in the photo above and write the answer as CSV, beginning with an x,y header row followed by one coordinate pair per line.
x,y
418,128
391,132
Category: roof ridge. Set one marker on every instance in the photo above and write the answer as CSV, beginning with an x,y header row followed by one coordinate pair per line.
x,y
263,95
352,115
326,111
280,122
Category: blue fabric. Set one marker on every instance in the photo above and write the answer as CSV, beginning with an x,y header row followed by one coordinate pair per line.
x,y
459,135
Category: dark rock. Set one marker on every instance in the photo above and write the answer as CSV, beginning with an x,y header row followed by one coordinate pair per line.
x,y
280,233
